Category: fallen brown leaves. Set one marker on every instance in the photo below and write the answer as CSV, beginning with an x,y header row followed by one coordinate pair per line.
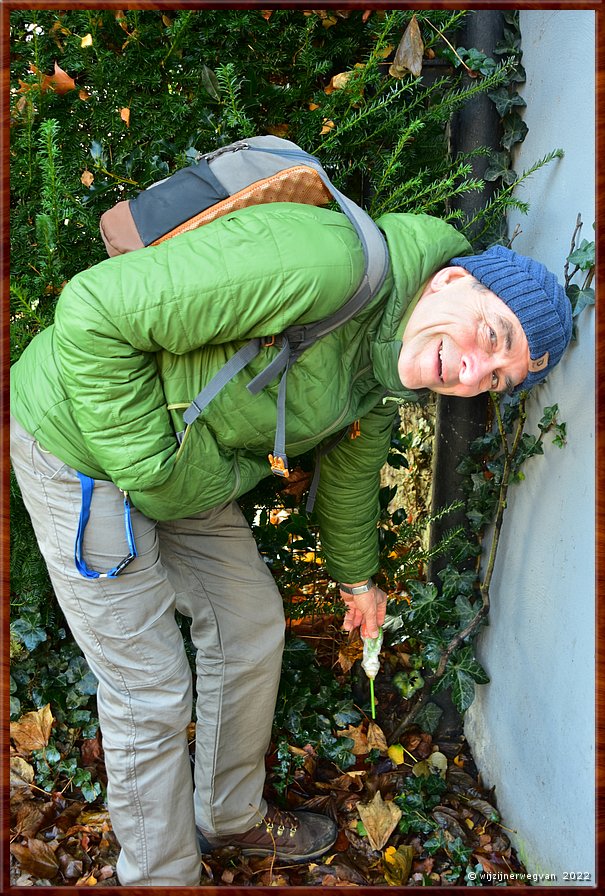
x,y
65,841
32,731
379,819
55,838
390,831
372,848
60,841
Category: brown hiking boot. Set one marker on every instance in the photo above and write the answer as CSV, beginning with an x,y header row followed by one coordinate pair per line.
x,y
295,836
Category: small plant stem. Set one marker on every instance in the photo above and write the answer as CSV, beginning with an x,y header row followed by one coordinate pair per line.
x,y
411,755
372,698
499,422
577,229
452,48
509,456
67,785
421,698
122,180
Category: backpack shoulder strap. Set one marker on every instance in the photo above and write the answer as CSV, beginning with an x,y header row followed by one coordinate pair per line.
x,y
373,243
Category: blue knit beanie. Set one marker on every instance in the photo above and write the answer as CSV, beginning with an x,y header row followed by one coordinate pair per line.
x,y
535,296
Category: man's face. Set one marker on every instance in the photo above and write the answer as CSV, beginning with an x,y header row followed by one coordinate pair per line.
x,y
461,339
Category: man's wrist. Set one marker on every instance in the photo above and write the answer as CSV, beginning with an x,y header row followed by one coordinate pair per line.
x,y
354,590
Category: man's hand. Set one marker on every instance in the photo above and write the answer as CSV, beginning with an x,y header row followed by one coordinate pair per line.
x,y
365,610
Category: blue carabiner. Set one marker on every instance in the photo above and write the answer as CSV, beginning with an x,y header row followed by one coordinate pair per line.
x,y
88,485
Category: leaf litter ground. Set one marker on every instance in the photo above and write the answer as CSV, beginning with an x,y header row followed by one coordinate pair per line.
x,y
411,813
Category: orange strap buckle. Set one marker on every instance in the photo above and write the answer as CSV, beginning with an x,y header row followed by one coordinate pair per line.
x,y
279,465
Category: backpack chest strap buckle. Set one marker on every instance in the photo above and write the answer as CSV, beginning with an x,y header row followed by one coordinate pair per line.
x,y
279,465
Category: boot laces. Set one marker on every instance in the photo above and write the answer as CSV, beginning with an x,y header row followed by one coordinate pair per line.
x,y
279,820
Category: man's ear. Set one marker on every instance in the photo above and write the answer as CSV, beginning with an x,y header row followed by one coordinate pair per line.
x,y
445,276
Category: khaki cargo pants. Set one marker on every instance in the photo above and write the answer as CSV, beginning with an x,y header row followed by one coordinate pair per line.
x,y
208,567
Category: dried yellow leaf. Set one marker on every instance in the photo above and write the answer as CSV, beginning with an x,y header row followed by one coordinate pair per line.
x,y
21,776
120,18
397,864
32,731
376,738
438,761
86,41
22,770
339,81
379,819
309,556
408,56
279,130
327,21
360,741
97,819
396,754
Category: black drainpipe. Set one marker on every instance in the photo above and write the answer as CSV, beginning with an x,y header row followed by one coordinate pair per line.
x,y
461,420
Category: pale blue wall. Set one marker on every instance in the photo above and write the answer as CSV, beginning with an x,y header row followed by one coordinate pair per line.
x,y
532,729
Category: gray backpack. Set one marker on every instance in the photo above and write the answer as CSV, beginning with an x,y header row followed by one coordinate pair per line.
x,y
248,172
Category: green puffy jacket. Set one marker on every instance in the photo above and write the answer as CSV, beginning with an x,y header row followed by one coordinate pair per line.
x,y
137,336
